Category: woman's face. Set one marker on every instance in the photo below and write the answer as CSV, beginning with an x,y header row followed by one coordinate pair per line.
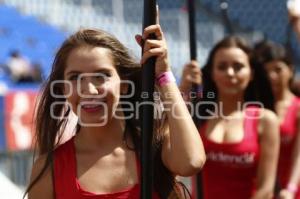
x,y
279,74
94,88
231,71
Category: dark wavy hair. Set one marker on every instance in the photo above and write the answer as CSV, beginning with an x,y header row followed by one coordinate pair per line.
x,y
50,130
266,51
258,90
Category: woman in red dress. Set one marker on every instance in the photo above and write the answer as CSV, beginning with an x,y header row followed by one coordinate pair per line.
x,y
277,62
239,131
101,160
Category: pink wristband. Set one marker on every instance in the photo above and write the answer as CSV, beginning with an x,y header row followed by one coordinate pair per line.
x,y
292,187
165,78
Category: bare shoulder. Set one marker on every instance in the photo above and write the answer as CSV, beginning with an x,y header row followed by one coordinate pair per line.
x,y
44,185
269,124
268,116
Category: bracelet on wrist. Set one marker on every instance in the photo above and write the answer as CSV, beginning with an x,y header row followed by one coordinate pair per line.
x,y
165,78
291,187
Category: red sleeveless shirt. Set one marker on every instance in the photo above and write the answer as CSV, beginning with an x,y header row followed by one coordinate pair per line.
x,y
67,186
288,130
230,169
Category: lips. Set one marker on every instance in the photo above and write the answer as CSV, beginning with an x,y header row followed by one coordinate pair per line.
x,y
229,83
92,106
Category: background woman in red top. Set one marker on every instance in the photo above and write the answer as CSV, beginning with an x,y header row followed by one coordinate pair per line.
x,y
100,161
279,67
241,142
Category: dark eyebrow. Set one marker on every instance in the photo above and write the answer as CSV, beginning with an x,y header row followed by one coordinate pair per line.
x,y
73,71
102,71
239,62
96,71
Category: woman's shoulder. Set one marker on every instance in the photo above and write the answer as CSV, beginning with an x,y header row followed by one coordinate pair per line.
x,y
268,115
268,123
297,101
41,177
264,115
42,170
296,106
297,98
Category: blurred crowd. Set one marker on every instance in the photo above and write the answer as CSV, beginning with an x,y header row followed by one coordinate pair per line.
x,y
20,69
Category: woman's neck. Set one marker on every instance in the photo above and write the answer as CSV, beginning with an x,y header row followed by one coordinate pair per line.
x,y
108,136
283,95
230,103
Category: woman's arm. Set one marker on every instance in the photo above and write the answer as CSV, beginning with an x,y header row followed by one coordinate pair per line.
x,y
182,151
297,28
294,180
191,74
296,25
269,151
43,188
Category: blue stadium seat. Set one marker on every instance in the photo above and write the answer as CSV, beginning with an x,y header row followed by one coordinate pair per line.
x,y
32,38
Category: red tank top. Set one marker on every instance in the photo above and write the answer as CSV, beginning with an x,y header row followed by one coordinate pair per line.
x,y
288,129
66,184
230,169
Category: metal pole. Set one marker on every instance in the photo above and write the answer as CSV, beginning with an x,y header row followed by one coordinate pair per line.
x,y
192,27
193,56
226,20
148,76
288,40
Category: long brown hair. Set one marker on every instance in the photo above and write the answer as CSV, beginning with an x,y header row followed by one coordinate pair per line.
x,y
258,90
50,130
